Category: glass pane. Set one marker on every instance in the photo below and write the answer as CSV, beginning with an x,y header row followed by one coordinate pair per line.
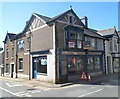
x,y
42,65
97,63
90,64
79,44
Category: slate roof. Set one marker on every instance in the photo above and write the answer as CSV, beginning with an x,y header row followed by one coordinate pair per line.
x,y
93,33
107,32
46,19
10,36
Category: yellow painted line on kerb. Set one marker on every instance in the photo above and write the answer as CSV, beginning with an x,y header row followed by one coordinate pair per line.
x,y
67,86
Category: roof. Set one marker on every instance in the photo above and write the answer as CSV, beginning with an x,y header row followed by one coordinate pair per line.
x,y
46,19
64,13
10,36
107,32
92,33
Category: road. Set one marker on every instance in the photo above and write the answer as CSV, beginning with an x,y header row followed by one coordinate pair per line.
x,y
103,88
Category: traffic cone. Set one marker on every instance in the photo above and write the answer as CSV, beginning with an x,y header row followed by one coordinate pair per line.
x,y
89,78
83,76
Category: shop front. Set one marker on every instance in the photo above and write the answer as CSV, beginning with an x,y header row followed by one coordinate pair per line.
x,y
72,64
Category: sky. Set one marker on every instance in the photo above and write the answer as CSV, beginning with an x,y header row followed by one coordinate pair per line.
x,y
13,16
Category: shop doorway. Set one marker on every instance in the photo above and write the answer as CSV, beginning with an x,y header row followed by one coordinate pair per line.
x,y
75,67
34,76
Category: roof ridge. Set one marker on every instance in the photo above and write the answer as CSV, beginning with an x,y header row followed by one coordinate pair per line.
x,y
41,15
106,30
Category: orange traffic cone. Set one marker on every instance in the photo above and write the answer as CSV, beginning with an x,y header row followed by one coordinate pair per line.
x,y
89,78
83,76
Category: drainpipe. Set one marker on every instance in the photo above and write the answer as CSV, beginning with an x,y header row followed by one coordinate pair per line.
x,y
29,55
16,58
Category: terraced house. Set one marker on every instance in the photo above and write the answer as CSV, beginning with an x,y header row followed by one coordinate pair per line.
x,y
54,49
112,52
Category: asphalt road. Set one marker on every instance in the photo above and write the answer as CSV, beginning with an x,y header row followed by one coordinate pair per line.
x,y
103,88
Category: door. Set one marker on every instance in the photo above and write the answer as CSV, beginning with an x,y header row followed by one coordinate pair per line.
x,y
12,70
109,64
34,76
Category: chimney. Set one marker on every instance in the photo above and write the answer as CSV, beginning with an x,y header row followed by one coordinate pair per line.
x,y
84,19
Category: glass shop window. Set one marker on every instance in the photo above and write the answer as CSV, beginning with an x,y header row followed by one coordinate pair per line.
x,y
90,64
97,63
42,65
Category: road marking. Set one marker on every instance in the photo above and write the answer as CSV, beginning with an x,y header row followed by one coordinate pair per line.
x,y
66,87
13,85
8,91
91,93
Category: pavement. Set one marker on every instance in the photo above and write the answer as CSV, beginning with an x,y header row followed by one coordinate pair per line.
x,y
43,85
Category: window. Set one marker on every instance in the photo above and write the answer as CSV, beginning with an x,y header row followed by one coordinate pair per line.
x,y
7,53
93,64
12,43
42,65
20,64
111,45
71,19
75,65
90,64
7,67
115,45
12,52
97,63
28,43
93,43
74,39
20,45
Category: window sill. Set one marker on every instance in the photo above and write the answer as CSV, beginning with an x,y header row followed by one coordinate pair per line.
x,y
27,49
6,58
20,70
42,74
12,57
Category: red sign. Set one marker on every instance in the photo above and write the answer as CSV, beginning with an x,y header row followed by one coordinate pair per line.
x,y
73,60
71,44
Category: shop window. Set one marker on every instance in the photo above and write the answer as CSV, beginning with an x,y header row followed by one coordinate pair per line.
x,y
93,64
20,64
97,63
42,65
7,68
90,65
75,65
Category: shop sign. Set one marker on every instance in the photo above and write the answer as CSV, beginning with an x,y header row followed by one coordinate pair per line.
x,y
95,53
71,44
73,53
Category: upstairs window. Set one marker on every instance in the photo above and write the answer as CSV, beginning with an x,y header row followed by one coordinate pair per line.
x,y
20,64
7,53
71,19
74,39
28,43
12,52
20,45
111,45
115,45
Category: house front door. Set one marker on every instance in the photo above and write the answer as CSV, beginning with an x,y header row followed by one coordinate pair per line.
x,y
12,70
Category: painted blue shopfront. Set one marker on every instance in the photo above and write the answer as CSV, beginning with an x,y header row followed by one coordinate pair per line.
x,y
72,63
